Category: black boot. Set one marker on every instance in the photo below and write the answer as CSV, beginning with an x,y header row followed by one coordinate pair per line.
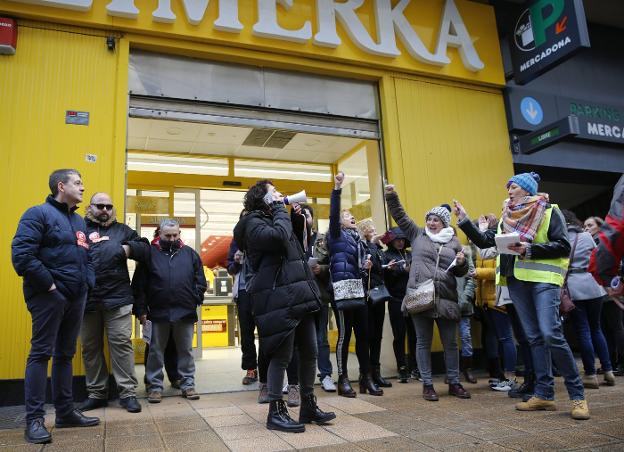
x,y
76,419
278,418
467,369
367,384
404,375
344,387
36,432
310,412
379,380
92,404
526,388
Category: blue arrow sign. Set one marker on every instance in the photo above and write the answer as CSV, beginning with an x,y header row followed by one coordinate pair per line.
x,y
531,110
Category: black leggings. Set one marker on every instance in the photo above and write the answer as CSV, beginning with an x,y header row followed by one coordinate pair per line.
x,y
402,326
376,315
305,337
356,319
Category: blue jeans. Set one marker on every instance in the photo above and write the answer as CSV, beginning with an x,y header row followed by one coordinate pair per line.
x,y
586,321
55,326
502,327
537,306
322,319
465,336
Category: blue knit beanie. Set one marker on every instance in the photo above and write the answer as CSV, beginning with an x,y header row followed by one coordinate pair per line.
x,y
526,181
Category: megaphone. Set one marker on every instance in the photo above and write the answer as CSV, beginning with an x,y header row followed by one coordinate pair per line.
x,y
296,198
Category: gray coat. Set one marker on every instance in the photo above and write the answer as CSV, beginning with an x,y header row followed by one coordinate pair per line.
x,y
581,283
424,255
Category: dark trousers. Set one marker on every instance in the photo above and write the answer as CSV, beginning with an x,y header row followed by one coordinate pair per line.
x,y
376,315
304,336
170,358
55,326
324,363
402,326
356,320
613,331
586,321
292,371
247,331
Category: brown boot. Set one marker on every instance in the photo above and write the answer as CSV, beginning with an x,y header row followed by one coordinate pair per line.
x,y
466,363
430,394
458,390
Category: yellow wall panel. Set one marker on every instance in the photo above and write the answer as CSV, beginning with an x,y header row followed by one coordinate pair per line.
x,y
54,71
450,143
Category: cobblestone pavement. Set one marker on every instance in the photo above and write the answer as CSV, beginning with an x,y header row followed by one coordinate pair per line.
x,y
399,421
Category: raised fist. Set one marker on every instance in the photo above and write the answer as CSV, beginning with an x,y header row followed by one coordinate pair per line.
x,y
339,179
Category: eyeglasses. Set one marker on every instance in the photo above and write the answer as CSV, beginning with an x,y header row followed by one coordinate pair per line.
x,y
103,206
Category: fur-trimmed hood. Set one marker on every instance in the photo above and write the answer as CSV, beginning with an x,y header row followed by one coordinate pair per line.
x,y
113,218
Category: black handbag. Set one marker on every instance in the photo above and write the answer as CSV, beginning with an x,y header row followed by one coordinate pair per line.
x,y
378,295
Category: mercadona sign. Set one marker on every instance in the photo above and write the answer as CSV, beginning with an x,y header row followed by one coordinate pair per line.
x,y
545,34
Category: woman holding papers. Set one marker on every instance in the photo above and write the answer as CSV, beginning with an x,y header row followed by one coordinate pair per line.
x,y
533,268
437,256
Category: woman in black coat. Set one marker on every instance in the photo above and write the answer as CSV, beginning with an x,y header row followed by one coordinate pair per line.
x,y
284,297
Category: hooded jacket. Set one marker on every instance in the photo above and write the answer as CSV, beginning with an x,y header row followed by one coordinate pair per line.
x,y
112,280
278,279
169,283
50,247
397,276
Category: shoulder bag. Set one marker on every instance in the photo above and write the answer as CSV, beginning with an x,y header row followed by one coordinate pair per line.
x,y
422,297
567,305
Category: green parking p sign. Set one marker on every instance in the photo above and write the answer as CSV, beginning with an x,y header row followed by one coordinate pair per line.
x,y
546,33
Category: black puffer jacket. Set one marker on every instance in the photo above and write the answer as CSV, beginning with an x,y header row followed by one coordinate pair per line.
x,y
50,247
169,284
112,280
278,278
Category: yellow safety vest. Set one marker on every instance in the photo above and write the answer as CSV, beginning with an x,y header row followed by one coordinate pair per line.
x,y
551,271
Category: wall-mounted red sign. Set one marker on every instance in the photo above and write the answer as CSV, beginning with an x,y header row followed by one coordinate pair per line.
x,y
8,36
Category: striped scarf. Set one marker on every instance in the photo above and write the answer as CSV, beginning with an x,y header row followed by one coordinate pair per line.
x,y
524,216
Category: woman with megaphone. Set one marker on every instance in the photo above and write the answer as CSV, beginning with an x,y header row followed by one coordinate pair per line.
x,y
348,265
284,298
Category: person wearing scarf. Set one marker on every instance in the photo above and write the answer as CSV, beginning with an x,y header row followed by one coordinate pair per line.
x,y
437,237
534,276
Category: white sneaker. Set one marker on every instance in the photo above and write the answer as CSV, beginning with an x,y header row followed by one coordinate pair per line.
x,y
504,385
328,384
285,389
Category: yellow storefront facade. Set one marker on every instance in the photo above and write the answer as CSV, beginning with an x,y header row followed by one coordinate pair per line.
x,y
436,66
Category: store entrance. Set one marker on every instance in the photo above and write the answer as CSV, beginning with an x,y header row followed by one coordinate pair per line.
x,y
198,172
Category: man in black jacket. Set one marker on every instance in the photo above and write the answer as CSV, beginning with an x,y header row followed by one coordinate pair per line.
x,y
109,308
169,284
49,251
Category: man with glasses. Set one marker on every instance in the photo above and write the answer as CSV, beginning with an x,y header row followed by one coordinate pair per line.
x,y
49,251
109,308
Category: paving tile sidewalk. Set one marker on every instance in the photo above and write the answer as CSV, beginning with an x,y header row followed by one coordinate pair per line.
x,y
399,421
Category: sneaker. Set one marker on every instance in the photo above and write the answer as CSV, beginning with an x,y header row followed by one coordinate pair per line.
x,y
591,381
520,390
536,404
328,384
493,382
609,378
263,393
415,375
190,394
294,398
580,410
504,386
250,377
154,397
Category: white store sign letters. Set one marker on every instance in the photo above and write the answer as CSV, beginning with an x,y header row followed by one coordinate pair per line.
x,y
390,21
